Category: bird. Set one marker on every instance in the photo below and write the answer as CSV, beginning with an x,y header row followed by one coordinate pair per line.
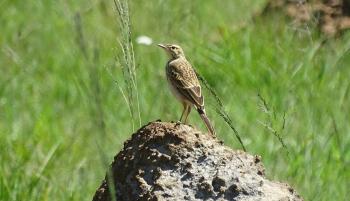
x,y
184,84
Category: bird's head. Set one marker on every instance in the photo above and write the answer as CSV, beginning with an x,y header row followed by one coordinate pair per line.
x,y
173,50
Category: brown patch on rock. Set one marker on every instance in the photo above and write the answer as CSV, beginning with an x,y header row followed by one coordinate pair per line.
x,y
162,161
332,16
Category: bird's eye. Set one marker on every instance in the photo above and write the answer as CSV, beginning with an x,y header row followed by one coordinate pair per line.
x,y
172,47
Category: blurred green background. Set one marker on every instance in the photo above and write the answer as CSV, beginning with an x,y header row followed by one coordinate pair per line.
x,y
63,117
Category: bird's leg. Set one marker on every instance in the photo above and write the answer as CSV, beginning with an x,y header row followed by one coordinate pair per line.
x,y
183,111
188,109
182,115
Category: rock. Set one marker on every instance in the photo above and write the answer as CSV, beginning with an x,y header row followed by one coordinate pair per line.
x,y
166,161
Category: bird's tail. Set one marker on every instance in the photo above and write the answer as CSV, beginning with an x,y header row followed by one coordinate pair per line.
x,y
206,120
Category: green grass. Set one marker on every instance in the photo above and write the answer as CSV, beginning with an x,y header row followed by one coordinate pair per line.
x,y
53,99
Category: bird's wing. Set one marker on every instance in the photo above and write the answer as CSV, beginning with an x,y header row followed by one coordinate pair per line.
x,y
183,77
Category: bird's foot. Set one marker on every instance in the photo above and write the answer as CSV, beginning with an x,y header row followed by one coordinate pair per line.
x,y
178,123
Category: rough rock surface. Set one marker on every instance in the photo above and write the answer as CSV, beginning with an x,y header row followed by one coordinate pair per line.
x,y
165,161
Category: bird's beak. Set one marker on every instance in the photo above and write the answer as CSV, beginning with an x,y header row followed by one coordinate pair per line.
x,y
162,46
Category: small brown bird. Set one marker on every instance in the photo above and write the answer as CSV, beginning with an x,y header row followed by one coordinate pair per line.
x,y
184,84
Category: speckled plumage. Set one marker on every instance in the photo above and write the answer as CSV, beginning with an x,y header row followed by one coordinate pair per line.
x,y
184,83
182,77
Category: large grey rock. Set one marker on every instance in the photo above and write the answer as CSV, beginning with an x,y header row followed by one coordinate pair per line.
x,y
165,161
